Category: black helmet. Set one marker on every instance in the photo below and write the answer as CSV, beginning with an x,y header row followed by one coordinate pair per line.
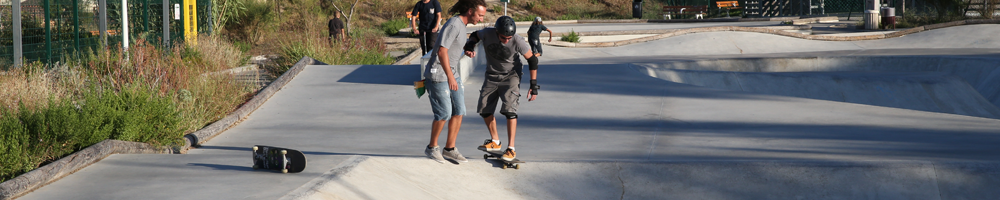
x,y
505,26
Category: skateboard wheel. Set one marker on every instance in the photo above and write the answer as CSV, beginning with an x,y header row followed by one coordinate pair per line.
x,y
517,166
283,152
504,166
284,171
486,156
254,148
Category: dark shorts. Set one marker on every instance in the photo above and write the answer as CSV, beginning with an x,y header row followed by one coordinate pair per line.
x,y
536,46
504,87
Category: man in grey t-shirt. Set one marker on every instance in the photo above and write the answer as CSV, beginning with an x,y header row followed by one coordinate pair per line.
x,y
503,79
444,89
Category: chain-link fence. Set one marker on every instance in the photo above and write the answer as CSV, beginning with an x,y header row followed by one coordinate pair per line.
x,y
58,30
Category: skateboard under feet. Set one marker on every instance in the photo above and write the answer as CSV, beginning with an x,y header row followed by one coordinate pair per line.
x,y
516,164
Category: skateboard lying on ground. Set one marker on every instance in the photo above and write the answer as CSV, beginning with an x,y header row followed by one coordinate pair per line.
x,y
506,164
277,158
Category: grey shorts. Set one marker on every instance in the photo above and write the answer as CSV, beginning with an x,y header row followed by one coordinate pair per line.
x,y
499,87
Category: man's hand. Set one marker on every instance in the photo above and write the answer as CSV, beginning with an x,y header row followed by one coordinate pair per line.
x,y
471,54
415,31
452,84
550,39
531,97
435,29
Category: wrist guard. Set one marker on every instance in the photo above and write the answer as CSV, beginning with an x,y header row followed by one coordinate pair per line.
x,y
470,45
535,87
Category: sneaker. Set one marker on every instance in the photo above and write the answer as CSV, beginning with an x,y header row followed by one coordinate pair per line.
x,y
489,146
509,155
434,154
454,155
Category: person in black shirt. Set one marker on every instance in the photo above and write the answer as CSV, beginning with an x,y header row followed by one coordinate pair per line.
x,y
429,14
337,29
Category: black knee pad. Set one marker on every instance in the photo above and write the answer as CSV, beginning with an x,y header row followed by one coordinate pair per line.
x,y
510,115
485,115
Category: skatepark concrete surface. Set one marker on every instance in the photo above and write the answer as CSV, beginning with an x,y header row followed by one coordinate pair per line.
x,y
718,115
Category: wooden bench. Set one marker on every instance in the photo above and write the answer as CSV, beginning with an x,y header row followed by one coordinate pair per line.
x,y
697,11
728,5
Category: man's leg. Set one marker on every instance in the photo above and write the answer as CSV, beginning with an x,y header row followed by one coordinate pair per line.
x,y
454,125
436,128
491,124
511,132
488,97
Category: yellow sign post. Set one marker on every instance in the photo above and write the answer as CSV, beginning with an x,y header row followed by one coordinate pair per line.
x,y
191,22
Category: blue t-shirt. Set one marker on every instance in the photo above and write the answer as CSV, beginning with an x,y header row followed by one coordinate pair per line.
x,y
535,30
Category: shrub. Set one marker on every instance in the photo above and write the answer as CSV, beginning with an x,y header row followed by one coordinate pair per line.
x,y
571,37
392,27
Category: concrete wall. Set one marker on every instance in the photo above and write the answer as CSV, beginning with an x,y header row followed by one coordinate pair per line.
x,y
958,85
465,65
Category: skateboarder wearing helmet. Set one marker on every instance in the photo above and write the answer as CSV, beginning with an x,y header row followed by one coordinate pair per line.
x,y
503,79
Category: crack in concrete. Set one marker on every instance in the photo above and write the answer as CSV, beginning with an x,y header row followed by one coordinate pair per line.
x,y
620,179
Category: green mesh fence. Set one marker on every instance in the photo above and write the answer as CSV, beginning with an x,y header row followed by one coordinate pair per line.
x,y
60,30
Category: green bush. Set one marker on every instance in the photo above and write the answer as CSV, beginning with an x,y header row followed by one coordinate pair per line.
x,y
31,137
392,27
571,37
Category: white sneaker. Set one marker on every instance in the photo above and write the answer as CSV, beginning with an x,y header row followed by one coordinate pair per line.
x,y
434,154
454,155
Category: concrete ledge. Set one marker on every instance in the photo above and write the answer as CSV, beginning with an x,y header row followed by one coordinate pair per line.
x,y
44,175
208,132
814,20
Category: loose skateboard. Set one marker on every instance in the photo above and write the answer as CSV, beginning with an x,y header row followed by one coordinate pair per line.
x,y
277,158
506,164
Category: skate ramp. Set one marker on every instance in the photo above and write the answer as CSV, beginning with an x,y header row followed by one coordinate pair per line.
x,y
956,85
365,177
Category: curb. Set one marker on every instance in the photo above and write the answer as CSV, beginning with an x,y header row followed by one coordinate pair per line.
x,y
208,132
51,172
671,33
409,57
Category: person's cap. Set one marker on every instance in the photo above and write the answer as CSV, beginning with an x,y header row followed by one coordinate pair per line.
x,y
538,19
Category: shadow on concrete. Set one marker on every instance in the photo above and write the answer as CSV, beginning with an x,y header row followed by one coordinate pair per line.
x,y
307,153
384,74
223,167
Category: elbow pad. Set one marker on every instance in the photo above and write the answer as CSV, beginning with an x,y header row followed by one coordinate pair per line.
x,y
533,63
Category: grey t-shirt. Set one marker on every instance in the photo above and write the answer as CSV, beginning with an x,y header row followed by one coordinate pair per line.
x,y
452,36
500,57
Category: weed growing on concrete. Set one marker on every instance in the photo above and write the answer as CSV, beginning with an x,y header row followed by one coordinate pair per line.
x,y
571,37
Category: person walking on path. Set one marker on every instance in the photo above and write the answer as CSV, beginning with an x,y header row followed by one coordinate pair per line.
x,y
503,79
428,12
536,29
336,27
445,91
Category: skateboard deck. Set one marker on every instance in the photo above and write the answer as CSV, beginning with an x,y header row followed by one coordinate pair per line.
x,y
277,158
516,164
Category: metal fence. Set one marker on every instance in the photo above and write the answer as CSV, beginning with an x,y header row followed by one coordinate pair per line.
x,y
59,30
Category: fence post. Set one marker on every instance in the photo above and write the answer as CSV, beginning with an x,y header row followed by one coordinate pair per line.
x,y
48,33
166,23
76,26
102,21
124,26
16,12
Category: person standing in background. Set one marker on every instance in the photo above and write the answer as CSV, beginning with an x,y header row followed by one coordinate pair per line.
x,y
336,27
428,12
